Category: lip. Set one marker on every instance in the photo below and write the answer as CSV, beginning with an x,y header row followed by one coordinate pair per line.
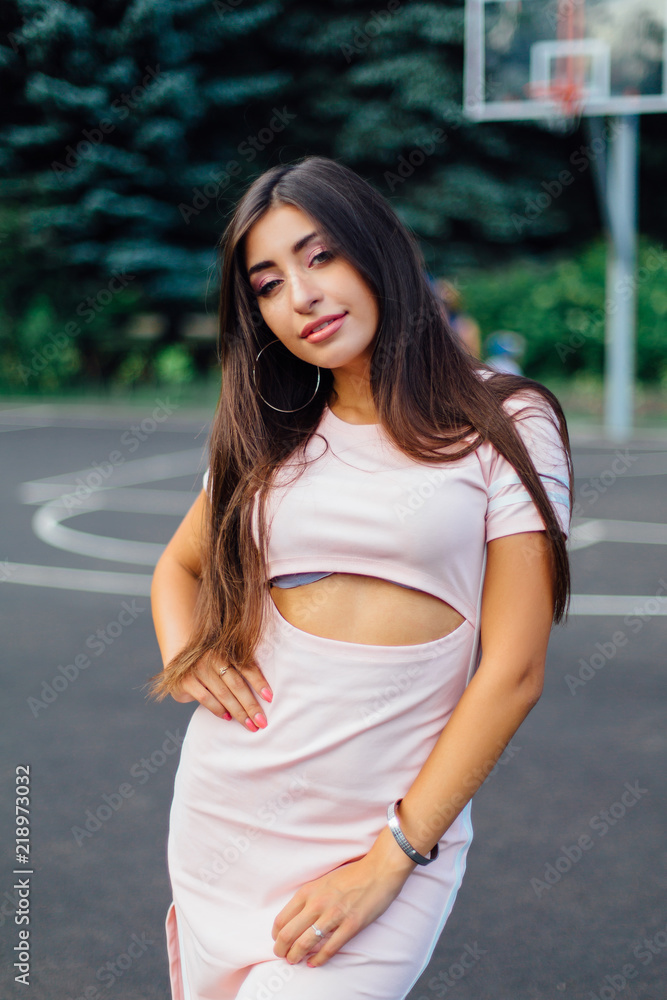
x,y
313,338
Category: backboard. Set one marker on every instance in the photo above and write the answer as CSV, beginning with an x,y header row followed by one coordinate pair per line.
x,y
530,59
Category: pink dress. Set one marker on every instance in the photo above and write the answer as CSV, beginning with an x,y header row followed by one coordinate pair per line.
x,y
256,815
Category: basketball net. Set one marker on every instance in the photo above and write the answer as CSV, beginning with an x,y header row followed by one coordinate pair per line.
x,y
566,88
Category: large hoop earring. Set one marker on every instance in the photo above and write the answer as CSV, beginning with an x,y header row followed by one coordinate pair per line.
x,y
271,404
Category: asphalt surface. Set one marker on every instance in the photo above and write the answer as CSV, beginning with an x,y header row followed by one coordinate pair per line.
x,y
564,893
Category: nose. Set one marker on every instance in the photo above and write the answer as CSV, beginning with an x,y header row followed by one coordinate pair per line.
x,y
305,292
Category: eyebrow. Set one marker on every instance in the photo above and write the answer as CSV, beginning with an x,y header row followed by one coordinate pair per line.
x,y
299,245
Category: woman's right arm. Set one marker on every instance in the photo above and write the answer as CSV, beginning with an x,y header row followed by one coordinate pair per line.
x,y
174,589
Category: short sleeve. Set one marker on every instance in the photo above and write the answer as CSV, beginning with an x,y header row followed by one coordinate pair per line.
x,y
510,507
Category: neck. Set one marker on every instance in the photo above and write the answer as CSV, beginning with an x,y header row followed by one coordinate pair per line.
x,y
351,396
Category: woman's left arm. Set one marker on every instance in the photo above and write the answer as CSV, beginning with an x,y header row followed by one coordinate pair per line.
x,y
516,619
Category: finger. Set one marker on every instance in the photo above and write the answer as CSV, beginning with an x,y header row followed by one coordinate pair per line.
x,y
288,912
243,705
193,686
181,697
331,944
308,942
205,683
258,681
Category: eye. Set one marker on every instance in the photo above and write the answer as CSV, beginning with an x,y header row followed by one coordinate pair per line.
x,y
327,254
263,290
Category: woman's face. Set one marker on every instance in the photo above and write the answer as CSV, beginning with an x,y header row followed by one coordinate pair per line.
x,y
299,281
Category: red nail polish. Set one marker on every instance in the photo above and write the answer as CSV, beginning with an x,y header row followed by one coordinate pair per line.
x,y
266,694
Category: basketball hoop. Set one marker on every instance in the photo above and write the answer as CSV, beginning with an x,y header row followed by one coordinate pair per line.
x,y
562,63
557,61
569,101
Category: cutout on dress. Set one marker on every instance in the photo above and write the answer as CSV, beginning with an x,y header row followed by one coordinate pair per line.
x,y
317,576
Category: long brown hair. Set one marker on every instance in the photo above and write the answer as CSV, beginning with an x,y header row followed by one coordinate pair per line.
x,y
426,388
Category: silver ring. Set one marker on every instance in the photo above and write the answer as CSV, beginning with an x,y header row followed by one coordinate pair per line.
x,y
318,931
223,669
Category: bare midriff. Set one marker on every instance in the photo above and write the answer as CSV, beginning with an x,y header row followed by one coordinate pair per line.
x,y
366,609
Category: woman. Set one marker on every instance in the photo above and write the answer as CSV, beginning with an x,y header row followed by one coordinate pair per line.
x,y
374,473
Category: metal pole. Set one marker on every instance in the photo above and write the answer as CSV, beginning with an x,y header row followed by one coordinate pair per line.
x,y
621,297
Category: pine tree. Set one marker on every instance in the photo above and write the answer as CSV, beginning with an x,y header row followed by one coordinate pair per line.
x,y
129,131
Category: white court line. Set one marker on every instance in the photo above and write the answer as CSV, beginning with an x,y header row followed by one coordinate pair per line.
x,y
89,580
47,525
584,534
591,532
139,585
617,604
25,427
64,496
91,417
89,481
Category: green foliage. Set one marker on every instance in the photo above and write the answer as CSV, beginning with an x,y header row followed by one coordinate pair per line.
x,y
129,131
131,369
173,365
560,308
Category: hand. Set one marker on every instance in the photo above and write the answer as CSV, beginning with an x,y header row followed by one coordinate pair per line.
x,y
341,903
226,696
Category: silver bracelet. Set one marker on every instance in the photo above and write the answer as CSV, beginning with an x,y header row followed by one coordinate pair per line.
x,y
403,842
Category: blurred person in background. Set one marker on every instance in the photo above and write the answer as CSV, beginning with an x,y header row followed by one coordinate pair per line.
x,y
504,350
464,326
